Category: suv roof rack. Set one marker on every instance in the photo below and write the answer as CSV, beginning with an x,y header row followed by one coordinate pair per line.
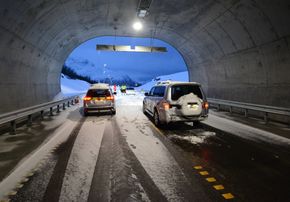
x,y
167,82
99,86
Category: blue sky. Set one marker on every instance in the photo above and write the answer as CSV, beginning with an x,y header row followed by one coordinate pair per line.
x,y
140,67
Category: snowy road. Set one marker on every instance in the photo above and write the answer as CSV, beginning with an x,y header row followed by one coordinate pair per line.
x,y
125,158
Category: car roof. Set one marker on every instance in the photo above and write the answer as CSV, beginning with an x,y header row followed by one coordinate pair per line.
x,y
100,86
169,82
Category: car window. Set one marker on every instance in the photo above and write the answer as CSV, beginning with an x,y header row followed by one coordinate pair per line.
x,y
159,91
151,91
180,90
130,89
98,93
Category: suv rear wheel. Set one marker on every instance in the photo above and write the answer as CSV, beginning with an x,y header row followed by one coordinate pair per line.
x,y
156,118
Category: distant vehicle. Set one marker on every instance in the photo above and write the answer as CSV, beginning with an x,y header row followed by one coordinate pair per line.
x,y
123,88
130,91
170,101
99,97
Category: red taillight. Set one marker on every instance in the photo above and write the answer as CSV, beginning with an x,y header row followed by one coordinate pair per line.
x,y
87,98
205,105
110,98
166,106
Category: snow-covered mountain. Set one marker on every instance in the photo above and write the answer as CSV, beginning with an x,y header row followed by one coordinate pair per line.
x,y
180,76
85,67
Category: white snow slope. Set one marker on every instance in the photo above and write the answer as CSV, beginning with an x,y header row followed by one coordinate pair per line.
x,y
180,76
72,87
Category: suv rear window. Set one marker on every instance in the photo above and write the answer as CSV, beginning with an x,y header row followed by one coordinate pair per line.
x,y
181,90
98,93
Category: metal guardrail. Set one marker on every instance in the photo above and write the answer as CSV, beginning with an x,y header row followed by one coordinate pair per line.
x,y
29,111
247,106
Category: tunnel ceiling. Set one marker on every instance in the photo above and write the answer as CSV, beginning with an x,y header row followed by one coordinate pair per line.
x,y
238,49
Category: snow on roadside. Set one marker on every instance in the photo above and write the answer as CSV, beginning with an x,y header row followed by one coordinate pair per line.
x,y
71,87
180,76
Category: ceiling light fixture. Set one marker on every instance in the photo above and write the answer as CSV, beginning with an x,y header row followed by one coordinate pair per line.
x,y
137,26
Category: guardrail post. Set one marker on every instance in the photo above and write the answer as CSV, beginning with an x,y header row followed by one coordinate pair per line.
x,y
246,112
218,107
13,127
231,109
266,117
58,110
51,111
29,120
41,114
67,103
63,106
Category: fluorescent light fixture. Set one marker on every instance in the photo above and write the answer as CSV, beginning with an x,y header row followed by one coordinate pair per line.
x,y
137,26
142,13
127,48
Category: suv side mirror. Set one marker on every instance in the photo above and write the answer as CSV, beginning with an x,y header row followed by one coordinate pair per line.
x,y
146,94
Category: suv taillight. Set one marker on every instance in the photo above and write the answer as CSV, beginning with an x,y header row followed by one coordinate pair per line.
x,y
205,105
87,98
166,105
110,98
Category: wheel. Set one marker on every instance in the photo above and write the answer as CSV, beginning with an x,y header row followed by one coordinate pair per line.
x,y
113,111
156,118
143,109
195,123
86,113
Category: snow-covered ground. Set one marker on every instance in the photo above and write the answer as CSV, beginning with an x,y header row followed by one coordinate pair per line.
x,y
73,87
180,76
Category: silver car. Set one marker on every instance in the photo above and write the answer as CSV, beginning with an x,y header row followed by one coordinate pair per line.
x,y
98,98
176,102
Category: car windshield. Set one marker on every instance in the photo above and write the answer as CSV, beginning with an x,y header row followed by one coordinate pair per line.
x,y
98,93
180,90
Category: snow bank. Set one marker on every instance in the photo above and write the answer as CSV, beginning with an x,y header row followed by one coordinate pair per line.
x,y
72,87
180,76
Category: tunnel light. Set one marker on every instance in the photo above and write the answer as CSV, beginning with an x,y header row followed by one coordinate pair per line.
x,y
137,26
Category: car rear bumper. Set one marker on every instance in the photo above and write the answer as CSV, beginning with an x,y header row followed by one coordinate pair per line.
x,y
167,117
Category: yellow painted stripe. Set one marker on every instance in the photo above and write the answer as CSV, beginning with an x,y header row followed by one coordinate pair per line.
x,y
12,193
211,179
204,173
24,180
228,196
197,167
219,187
19,186
157,129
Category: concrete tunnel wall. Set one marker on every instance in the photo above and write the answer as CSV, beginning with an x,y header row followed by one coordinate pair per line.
x,y
238,49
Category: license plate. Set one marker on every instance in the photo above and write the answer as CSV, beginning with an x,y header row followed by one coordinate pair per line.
x,y
99,98
193,106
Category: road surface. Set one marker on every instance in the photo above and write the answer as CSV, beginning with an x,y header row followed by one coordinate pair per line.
x,y
126,158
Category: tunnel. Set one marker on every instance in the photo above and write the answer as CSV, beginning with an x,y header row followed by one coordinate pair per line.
x,y
237,49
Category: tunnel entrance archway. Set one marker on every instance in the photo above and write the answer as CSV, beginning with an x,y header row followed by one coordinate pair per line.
x,y
239,50
124,66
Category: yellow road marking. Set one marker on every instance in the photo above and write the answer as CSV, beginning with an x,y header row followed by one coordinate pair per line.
x,y
19,186
197,167
157,129
12,193
204,173
24,180
219,187
228,196
211,179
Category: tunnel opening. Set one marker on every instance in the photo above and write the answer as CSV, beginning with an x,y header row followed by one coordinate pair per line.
x,y
132,67
239,50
